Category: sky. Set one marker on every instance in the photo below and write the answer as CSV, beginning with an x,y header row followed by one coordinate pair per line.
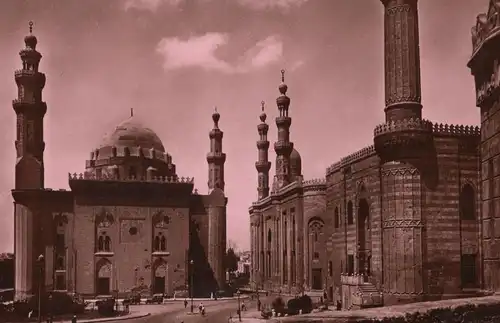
x,y
174,61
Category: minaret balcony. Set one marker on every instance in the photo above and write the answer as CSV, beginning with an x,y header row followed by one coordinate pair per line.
x,y
262,166
263,144
283,121
19,73
283,147
403,139
214,157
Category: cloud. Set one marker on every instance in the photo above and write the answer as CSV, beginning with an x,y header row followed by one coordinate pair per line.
x,y
201,52
271,4
153,5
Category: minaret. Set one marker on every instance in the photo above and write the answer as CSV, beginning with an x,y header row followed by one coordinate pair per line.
x,y
30,241
263,165
216,207
402,60
283,147
404,136
216,158
30,111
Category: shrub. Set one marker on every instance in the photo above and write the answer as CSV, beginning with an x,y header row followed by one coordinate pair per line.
x,y
465,313
293,306
278,305
266,313
106,307
305,304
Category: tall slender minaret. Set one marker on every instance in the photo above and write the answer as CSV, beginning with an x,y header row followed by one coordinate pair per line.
x,y
402,60
30,111
263,165
216,158
283,147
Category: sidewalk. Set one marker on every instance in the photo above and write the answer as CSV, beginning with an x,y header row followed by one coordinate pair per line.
x,y
372,313
131,315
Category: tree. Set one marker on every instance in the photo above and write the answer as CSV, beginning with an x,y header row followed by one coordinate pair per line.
x,y
231,260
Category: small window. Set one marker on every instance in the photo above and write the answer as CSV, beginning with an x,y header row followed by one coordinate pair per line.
x,y
132,231
316,255
350,216
467,203
468,270
336,218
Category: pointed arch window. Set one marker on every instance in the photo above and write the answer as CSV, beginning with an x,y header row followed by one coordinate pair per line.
x,y
160,243
350,216
336,218
104,242
467,203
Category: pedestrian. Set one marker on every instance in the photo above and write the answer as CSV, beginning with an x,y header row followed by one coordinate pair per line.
x,y
258,305
73,320
200,307
185,303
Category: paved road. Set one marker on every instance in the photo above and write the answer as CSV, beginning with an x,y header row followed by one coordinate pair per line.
x,y
216,312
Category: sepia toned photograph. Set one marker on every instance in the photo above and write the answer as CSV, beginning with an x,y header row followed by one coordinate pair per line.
x,y
252,161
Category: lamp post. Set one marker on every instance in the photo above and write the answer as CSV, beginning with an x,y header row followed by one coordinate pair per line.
x,y
40,262
191,263
239,306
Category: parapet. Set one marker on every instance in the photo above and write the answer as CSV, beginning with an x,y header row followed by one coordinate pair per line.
x,y
455,130
487,26
403,125
354,157
157,179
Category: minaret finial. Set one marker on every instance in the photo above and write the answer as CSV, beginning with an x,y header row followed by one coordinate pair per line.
x,y
283,76
131,112
215,109
263,105
31,26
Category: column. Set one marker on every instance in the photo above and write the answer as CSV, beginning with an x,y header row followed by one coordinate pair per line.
x,y
289,251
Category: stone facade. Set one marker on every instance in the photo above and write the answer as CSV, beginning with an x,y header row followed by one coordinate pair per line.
x,y
129,223
484,66
287,226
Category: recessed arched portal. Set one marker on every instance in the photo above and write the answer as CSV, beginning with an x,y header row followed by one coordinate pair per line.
x,y
160,277
103,277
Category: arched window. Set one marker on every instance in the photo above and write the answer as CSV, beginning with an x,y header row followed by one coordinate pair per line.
x,y
336,218
100,243
156,246
60,263
107,243
163,243
132,173
269,236
350,217
467,203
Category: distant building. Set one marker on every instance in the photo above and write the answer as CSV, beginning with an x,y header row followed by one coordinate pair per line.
x,y
129,223
244,264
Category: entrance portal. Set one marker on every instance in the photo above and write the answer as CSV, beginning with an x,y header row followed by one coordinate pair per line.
x,y
317,279
103,279
159,280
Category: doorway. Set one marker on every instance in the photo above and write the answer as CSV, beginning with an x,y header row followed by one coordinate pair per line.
x,y
317,279
103,286
159,285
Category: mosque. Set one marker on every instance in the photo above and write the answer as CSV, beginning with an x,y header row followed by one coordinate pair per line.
x,y
412,217
129,223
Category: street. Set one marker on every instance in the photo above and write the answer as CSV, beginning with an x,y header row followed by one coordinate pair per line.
x,y
215,312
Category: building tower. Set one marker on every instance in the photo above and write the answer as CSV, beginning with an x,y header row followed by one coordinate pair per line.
x,y
283,147
216,158
404,135
263,165
485,67
30,111
29,170
217,206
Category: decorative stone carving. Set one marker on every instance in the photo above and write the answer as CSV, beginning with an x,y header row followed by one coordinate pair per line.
x,y
104,218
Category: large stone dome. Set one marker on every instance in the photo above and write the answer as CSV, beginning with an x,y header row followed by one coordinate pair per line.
x,y
131,133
